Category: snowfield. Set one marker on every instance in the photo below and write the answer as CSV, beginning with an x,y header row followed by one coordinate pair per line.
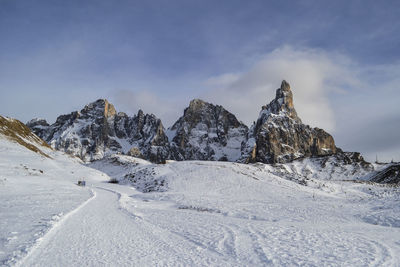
x,y
35,193
191,213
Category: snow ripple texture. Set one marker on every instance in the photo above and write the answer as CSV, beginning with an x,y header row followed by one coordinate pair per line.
x,y
203,214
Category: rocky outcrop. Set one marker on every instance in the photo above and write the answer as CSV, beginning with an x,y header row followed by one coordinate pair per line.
x,y
39,126
207,132
279,136
18,132
98,130
388,175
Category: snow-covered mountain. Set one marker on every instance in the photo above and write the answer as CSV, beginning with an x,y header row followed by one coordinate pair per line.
x,y
204,132
98,130
280,136
207,132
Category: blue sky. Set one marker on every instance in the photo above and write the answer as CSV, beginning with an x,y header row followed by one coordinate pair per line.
x,y
342,59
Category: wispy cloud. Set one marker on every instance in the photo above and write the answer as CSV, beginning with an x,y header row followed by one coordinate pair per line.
x,y
168,109
331,91
313,74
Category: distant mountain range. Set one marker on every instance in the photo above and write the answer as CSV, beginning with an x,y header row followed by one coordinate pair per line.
x,y
204,132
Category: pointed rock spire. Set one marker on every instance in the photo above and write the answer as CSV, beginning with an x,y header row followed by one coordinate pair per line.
x,y
283,103
280,136
285,86
109,109
196,104
100,107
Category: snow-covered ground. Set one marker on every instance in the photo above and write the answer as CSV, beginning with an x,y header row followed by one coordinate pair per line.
x,y
35,193
198,214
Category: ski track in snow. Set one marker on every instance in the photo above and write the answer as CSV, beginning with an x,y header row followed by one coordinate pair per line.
x,y
100,233
104,231
42,241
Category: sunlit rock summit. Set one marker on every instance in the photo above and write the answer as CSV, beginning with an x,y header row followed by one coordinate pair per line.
x,y
279,136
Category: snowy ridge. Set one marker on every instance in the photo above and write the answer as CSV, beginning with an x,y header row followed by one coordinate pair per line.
x,y
207,132
323,168
148,177
98,130
388,173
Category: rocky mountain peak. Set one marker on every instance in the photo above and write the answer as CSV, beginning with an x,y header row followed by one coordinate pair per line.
x,y
280,136
197,104
98,130
285,86
100,107
37,121
282,104
38,126
140,113
206,132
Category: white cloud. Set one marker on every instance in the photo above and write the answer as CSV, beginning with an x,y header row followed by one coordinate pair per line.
x,y
148,101
311,73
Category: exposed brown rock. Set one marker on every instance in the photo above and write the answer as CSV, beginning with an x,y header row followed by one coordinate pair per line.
x,y
135,152
109,109
279,135
16,131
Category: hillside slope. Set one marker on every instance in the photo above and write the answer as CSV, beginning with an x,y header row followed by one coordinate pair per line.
x,y
16,131
37,188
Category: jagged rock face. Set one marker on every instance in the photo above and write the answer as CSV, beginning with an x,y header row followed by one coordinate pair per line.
x,y
340,166
279,136
389,175
40,126
282,104
207,132
98,130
